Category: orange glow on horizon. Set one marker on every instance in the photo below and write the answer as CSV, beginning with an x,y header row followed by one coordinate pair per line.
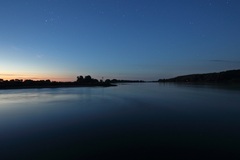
x,y
36,77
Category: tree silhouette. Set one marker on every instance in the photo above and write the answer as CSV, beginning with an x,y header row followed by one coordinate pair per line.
x,y
88,79
80,79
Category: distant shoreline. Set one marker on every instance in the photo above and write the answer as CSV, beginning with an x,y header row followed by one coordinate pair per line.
x,y
225,77
81,81
86,81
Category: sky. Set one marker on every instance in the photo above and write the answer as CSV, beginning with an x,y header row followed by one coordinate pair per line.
x,y
122,39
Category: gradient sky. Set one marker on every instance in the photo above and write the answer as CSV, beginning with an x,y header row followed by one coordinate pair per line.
x,y
123,39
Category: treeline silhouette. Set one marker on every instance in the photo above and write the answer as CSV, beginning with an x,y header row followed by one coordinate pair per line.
x,y
230,76
87,80
81,81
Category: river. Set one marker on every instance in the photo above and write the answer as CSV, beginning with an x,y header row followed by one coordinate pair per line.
x,y
142,120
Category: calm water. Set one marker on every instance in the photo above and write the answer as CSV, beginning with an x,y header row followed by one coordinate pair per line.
x,y
128,121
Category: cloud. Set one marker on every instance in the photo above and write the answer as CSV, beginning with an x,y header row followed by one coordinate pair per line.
x,y
223,61
10,75
17,76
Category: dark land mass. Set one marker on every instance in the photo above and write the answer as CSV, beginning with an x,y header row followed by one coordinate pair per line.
x,y
228,77
86,81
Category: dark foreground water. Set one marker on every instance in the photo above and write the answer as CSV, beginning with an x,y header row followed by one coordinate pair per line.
x,y
130,121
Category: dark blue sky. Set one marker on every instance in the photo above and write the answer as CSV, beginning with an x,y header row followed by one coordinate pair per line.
x,y
124,39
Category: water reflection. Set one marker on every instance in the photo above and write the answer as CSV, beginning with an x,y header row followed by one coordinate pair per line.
x,y
140,119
